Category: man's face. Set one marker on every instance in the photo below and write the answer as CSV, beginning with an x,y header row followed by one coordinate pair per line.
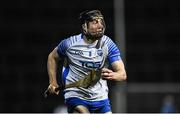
x,y
95,28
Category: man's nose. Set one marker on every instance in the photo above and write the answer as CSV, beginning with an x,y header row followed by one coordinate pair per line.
x,y
99,23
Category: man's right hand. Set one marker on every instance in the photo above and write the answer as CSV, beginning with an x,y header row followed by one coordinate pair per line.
x,y
53,89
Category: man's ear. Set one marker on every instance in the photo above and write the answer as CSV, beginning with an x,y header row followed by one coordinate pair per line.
x,y
84,26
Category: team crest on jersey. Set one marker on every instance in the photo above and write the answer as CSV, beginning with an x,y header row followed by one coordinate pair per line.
x,y
99,52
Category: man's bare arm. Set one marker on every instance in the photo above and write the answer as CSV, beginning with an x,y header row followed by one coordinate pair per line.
x,y
117,74
52,62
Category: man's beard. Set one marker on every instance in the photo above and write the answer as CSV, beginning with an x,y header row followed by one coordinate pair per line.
x,y
95,36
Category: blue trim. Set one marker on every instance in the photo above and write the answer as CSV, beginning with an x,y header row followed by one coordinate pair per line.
x,y
64,74
114,58
101,106
82,34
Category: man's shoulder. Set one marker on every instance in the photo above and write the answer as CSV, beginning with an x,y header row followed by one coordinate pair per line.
x,y
71,40
74,37
105,37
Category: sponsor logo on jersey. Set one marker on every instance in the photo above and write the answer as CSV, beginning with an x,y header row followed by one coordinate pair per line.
x,y
90,64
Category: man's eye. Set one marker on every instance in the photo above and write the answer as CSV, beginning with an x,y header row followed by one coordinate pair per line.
x,y
95,21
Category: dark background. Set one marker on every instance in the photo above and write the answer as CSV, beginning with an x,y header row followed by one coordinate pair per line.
x,y
152,34
31,29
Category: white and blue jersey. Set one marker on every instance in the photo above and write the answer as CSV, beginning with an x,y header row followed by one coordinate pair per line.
x,y
82,59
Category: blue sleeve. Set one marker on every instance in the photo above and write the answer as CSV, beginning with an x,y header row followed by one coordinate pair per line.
x,y
113,51
66,43
62,47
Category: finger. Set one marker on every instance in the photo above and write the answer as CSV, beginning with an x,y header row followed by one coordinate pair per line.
x,y
106,70
108,75
103,69
105,74
107,78
50,89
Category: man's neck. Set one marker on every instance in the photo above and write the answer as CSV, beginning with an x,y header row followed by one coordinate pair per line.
x,y
89,40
